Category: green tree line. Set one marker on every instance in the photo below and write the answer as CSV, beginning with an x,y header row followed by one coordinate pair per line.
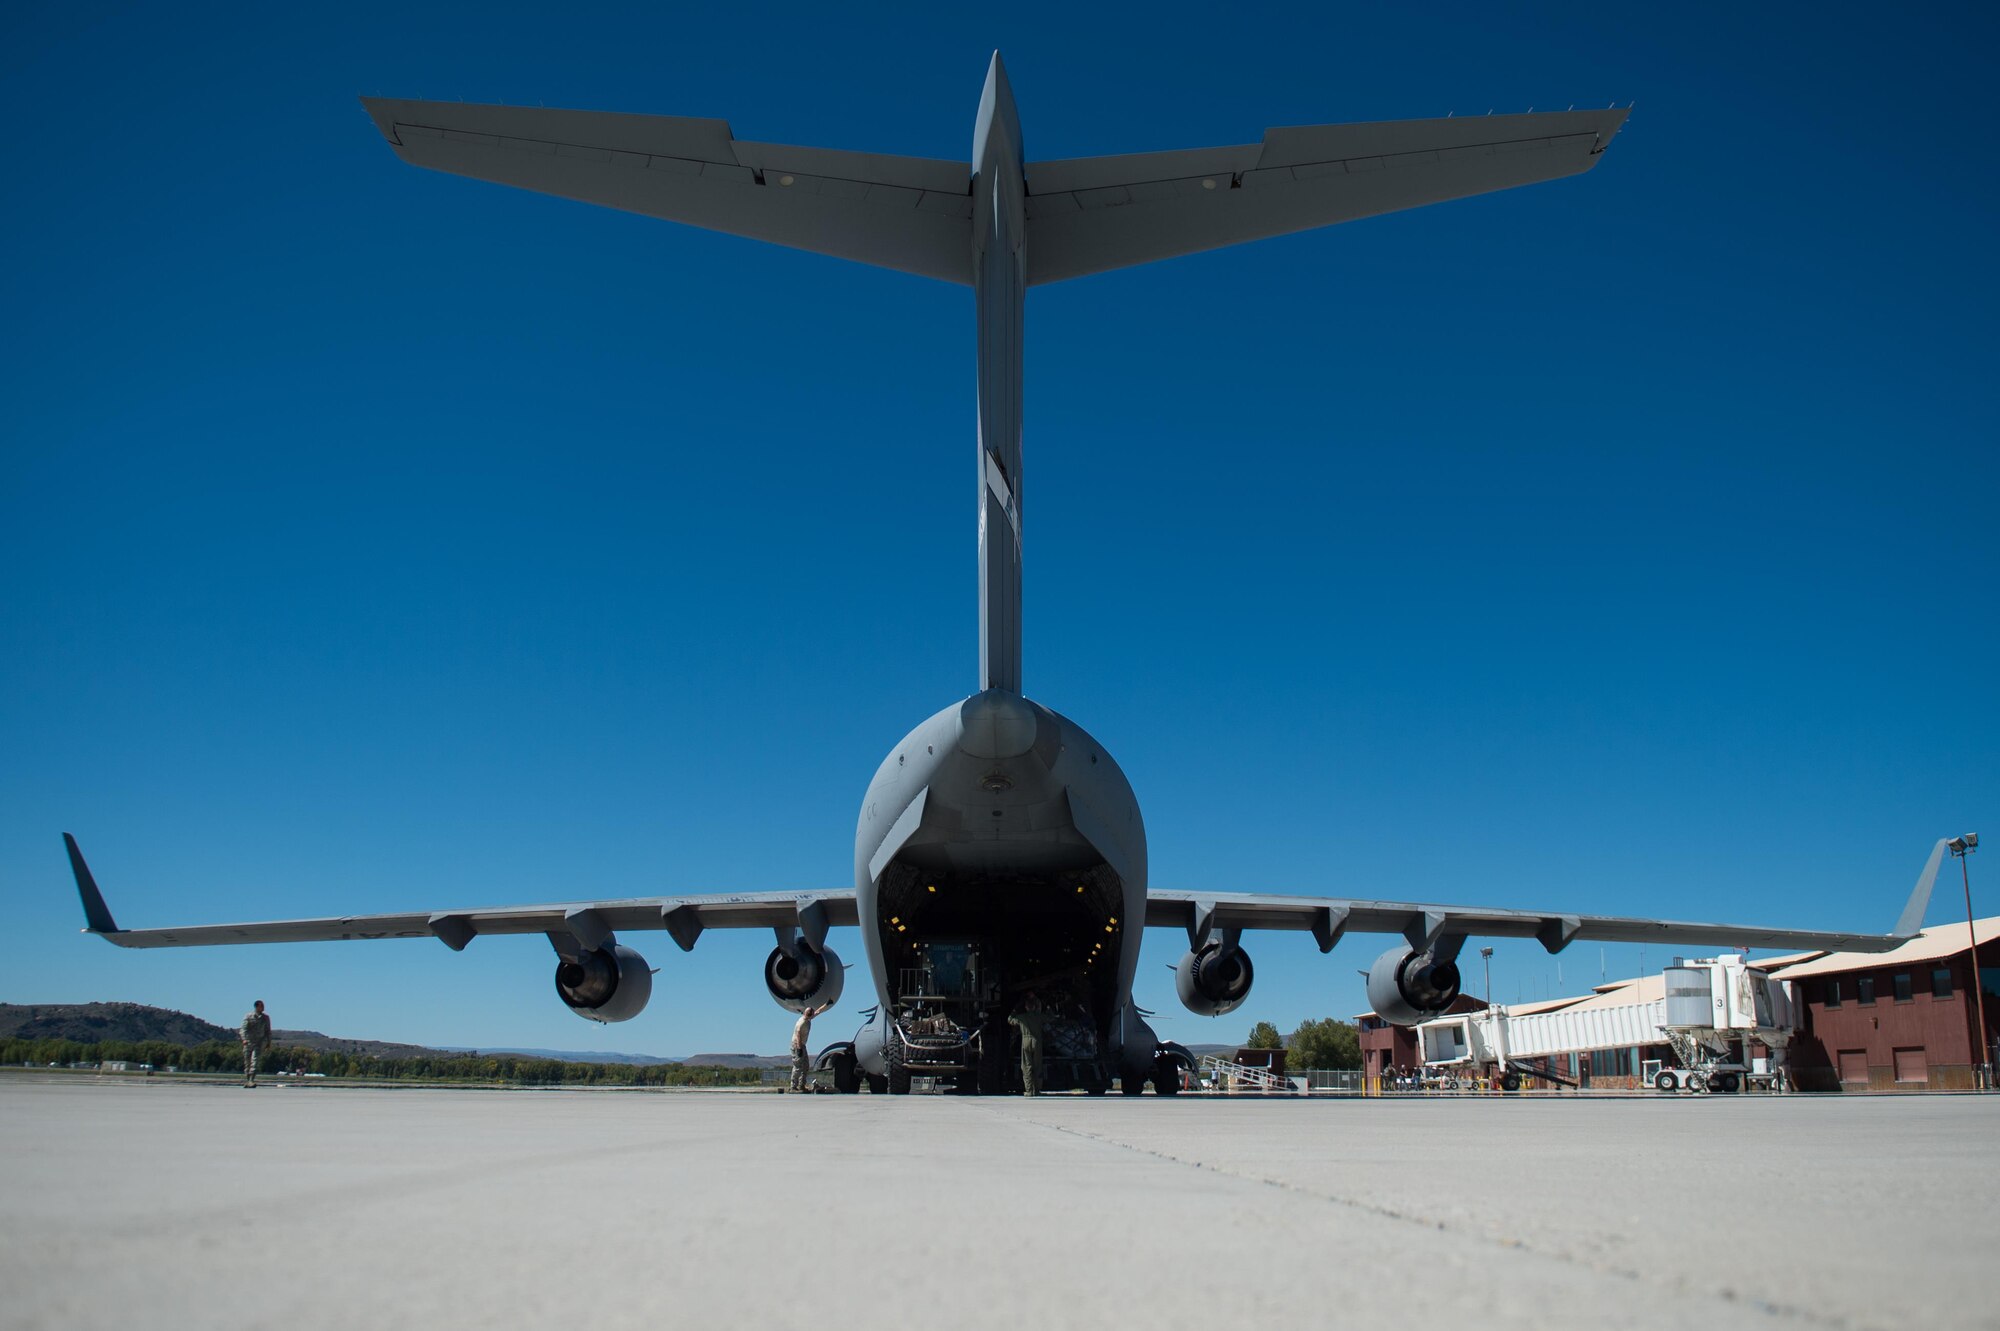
x,y
1322,1045
227,1056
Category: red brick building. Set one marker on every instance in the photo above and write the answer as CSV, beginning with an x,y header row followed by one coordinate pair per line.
x,y
1384,1046
1901,1020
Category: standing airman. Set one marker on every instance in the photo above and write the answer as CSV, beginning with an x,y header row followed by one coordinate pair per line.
x,y
801,1034
256,1036
1030,1021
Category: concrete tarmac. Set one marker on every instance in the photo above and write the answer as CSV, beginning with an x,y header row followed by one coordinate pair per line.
x,y
126,1203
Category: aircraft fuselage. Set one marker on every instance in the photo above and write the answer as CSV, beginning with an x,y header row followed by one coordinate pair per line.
x,y
1002,824
999,823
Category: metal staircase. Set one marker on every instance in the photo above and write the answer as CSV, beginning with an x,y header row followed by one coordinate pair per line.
x,y
1227,1078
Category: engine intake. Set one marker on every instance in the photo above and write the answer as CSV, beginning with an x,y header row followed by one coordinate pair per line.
x,y
1406,986
804,978
1212,981
609,984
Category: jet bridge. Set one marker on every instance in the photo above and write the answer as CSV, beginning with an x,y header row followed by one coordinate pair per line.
x,y
1700,1008
1495,1037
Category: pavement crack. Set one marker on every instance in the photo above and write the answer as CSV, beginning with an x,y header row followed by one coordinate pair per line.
x,y
1675,1286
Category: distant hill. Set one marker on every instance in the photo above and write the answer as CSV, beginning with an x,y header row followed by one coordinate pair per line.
x,y
89,1023
93,1023
737,1061
330,1044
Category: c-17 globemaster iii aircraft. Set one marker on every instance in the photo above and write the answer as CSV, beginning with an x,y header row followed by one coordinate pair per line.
x,y
1000,853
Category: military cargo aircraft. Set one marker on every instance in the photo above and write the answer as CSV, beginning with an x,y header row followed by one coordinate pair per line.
x,y
1000,852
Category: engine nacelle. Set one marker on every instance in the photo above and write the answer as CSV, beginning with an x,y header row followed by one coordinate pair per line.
x,y
1406,986
1212,981
804,978
609,984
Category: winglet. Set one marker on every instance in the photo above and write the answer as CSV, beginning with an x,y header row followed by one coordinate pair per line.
x,y
98,916
1911,922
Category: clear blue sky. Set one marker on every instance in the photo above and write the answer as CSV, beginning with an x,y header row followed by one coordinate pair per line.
x,y
375,539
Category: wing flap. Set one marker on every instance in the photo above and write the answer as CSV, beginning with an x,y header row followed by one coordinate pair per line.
x,y
1204,911
1090,215
1245,910
456,928
911,214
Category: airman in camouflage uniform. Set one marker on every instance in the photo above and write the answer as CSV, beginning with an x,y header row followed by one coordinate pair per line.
x,y
1031,1021
256,1036
801,1033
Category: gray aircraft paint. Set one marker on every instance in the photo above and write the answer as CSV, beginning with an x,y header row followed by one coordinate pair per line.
x,y
1000,289
1005,785
996,786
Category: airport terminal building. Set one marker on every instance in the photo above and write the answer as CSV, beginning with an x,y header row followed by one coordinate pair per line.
x,y
1901,1020
1892,1021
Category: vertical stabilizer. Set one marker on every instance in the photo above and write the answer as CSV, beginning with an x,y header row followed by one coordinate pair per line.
x,y
1000,282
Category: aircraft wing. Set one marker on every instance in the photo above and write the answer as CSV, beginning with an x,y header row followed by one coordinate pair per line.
x,y
1093,214
1328,918
913,214
588,922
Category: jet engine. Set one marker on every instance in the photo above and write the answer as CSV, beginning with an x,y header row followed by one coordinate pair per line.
x,y
611,983
1213,981
1406,986
804,978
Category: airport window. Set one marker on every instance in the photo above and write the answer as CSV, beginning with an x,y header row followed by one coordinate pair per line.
x,y
1611,1063
1902,983
1864,991
1833,992
1941,982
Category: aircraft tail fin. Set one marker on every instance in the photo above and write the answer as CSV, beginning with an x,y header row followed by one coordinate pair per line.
x,y
95,913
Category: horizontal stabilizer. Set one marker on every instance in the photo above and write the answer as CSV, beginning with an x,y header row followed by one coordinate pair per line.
x,y
912,214
1093,214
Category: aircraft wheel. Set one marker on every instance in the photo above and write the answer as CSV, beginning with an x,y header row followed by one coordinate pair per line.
x,y
1663,1081
1131,1085
877,1084
846,1073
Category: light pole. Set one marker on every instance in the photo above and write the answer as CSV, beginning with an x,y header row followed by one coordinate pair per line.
x,y
1494,1035
1962,846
